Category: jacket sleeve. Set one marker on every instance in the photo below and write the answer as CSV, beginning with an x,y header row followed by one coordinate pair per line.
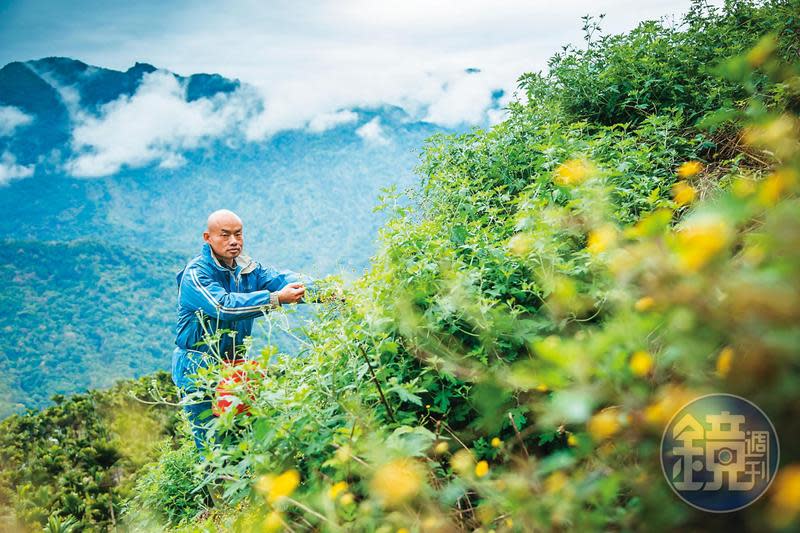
x,y
201,292
271,280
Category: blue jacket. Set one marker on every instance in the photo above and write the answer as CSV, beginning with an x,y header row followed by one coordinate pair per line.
x,y
223,298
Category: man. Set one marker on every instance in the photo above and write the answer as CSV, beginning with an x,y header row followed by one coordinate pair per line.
x,y
222,288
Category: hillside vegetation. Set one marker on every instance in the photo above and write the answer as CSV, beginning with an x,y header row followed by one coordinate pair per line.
x,y
552,292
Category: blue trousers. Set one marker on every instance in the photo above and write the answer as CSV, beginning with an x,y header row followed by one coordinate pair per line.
x,y
184,366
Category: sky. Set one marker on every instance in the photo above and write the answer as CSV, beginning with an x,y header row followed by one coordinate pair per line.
x,y
310,60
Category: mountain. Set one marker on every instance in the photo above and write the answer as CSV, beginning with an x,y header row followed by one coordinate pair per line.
x,y
306,197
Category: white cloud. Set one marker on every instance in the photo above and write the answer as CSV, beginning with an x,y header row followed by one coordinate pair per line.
x,y
464,99
10,170
372,132
154,125
11,118
311,60
326,121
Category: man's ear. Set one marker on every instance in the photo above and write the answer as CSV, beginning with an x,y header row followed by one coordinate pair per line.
x,y
206,236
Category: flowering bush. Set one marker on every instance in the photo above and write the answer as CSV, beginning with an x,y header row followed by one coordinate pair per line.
x,y
555,290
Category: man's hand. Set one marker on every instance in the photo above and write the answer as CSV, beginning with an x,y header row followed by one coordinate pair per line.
x,y
291,293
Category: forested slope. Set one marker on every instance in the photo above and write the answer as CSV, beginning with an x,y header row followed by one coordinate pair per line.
x,y
552,292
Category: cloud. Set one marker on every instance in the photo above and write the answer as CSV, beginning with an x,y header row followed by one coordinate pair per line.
x,y
10,170
326,121
372,132
154,125
11,118
310,60
466,98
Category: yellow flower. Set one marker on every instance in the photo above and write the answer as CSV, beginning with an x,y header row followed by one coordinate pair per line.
x,y
496,442
604,424
775,186
343,454
683,193
601,239
641,363
572,440
761,51
521,244
574,171
670,399
402,530
541,387
724,361
347,498
441,448
689,169
337,489
276,488
778,135
482,468
397,481
743,187
644,303
462,462
272,523
786,492
700,241
555,481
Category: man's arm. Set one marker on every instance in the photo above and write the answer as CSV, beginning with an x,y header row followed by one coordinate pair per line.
x,y
200,291
270,279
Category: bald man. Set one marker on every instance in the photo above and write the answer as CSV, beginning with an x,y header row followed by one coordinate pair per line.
x,y
222,288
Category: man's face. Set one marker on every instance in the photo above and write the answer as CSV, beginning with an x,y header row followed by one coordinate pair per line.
x,y
226,238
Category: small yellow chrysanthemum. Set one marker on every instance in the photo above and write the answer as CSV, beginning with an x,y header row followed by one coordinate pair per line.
x,y
786,491
541,387
572,440
724,361
671,398
521,244
482,468
604,424
641,363
276,488
347,498
337,489
683,193
555,482
441,448
645,303
775,186
343,454
601,239
689,169
402,530
462,462
397,481
761,51
496,442
778,136
743,187
573,172
699,242
272,522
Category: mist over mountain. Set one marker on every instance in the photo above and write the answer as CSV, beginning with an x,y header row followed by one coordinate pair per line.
x,y
135,161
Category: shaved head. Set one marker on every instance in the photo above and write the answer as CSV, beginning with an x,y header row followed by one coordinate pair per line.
x,y
222,217
224,235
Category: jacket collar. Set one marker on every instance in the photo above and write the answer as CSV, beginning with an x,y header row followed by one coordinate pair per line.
x,y
244,263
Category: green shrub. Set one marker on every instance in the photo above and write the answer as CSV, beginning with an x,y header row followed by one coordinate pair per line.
x,y
166,491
